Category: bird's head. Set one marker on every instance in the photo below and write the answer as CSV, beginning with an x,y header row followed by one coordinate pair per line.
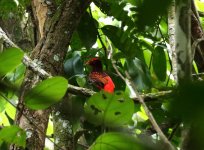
x,y
95,63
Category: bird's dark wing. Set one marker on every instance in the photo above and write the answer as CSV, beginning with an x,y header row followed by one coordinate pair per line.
x,y
98,79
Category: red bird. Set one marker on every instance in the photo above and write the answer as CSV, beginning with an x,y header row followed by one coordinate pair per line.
x,y
98,77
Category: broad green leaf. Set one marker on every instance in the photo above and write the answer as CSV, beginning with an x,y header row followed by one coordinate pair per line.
x,y
114,34
46,93
10,120
159,63
147,16
73,66
117,141
4,145
13,135
146,44
147,56
2,104
109,109
139,73
76,43
17,75
7,6
9,59
163,27
87,30
116,9
10,111
81,81
121,40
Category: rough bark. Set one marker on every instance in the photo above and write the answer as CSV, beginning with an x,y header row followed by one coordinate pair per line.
x,y
171,31
50,53
183,49
196,34
183,39
40,10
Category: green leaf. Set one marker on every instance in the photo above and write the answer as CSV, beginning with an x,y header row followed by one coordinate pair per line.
x,y
139,73
114,34
17,74
81,81
147,15
4,145
116,8
121,40
2,104
87,30
9,59
147,56
13,135
46,93
76,43
73,66
10,120
109,109
117,141
159,63
7,6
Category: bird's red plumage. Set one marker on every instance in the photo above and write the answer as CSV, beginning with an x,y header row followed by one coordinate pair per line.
x,y
99,78
110,86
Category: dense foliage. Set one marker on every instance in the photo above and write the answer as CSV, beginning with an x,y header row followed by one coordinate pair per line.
x,y
131,35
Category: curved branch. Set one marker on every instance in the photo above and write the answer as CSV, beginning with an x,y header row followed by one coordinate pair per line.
x,y
75,89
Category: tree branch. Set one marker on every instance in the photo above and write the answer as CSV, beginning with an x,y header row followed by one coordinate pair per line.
x,y
75,89
141,100
150,116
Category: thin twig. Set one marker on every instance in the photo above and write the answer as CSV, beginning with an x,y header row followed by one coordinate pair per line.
x,y
147,111
99,37
117,71
174,131
7,41
194,46
149,114
83,145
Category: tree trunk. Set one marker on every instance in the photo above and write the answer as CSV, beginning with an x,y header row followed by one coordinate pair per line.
x,y
172,43
183,49
183,39
50,52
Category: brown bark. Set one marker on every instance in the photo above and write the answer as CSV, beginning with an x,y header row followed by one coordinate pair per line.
x,y
40,10
54,43
197,33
